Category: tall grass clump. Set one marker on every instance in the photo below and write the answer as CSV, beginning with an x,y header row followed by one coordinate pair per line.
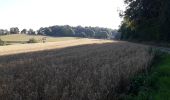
x,y
32,40
89,72
2,43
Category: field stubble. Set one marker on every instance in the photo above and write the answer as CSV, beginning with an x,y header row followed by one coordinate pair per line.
x,y
88,72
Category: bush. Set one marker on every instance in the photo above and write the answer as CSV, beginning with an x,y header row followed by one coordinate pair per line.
x,y
2,42
32,40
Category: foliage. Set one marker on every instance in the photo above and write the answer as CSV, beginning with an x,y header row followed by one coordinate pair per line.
x,y
14,30
152,86
102,34
79,31
4,32
31,32
2,43
24,31
146,20
89,72
67,31
32,40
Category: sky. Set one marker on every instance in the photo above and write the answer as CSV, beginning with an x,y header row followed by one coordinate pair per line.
x,y
43,13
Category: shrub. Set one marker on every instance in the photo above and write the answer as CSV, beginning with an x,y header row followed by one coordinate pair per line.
x,y
32,40
2,42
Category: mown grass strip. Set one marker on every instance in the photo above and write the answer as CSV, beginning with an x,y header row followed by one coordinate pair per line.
x,y
152,86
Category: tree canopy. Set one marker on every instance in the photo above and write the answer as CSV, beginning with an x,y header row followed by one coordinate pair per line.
x,y
79,31
146,20
67,31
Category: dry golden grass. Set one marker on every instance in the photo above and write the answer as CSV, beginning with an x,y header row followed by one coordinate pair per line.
x,y
24,38
23,48
87,72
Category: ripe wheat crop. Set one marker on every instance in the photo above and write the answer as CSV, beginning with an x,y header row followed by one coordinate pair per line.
x,y
88,72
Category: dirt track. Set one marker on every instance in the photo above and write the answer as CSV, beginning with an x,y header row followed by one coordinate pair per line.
x,y
23,48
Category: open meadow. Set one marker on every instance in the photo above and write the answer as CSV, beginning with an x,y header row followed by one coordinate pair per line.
x,y
24,38
93,70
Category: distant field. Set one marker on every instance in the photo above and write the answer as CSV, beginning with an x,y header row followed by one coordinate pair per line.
x,y
23,38
61,43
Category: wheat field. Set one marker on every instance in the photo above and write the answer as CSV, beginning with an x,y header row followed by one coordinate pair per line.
x,y
82,72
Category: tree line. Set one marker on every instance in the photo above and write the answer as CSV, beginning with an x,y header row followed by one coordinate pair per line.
x,y
66,30
15,30
79,31
146,20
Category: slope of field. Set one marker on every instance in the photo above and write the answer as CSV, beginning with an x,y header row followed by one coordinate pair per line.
x,y
23,38
22,48
88,72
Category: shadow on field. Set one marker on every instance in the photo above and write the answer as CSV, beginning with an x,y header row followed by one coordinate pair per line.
x,y
12,42
85,72
53,52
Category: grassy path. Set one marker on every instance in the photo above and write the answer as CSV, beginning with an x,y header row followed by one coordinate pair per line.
x,y
156,85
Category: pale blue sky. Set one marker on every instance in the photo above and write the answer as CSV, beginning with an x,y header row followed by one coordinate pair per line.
x,y
40,13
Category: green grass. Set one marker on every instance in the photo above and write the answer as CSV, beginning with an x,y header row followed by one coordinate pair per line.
x,y
23,38
152,86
